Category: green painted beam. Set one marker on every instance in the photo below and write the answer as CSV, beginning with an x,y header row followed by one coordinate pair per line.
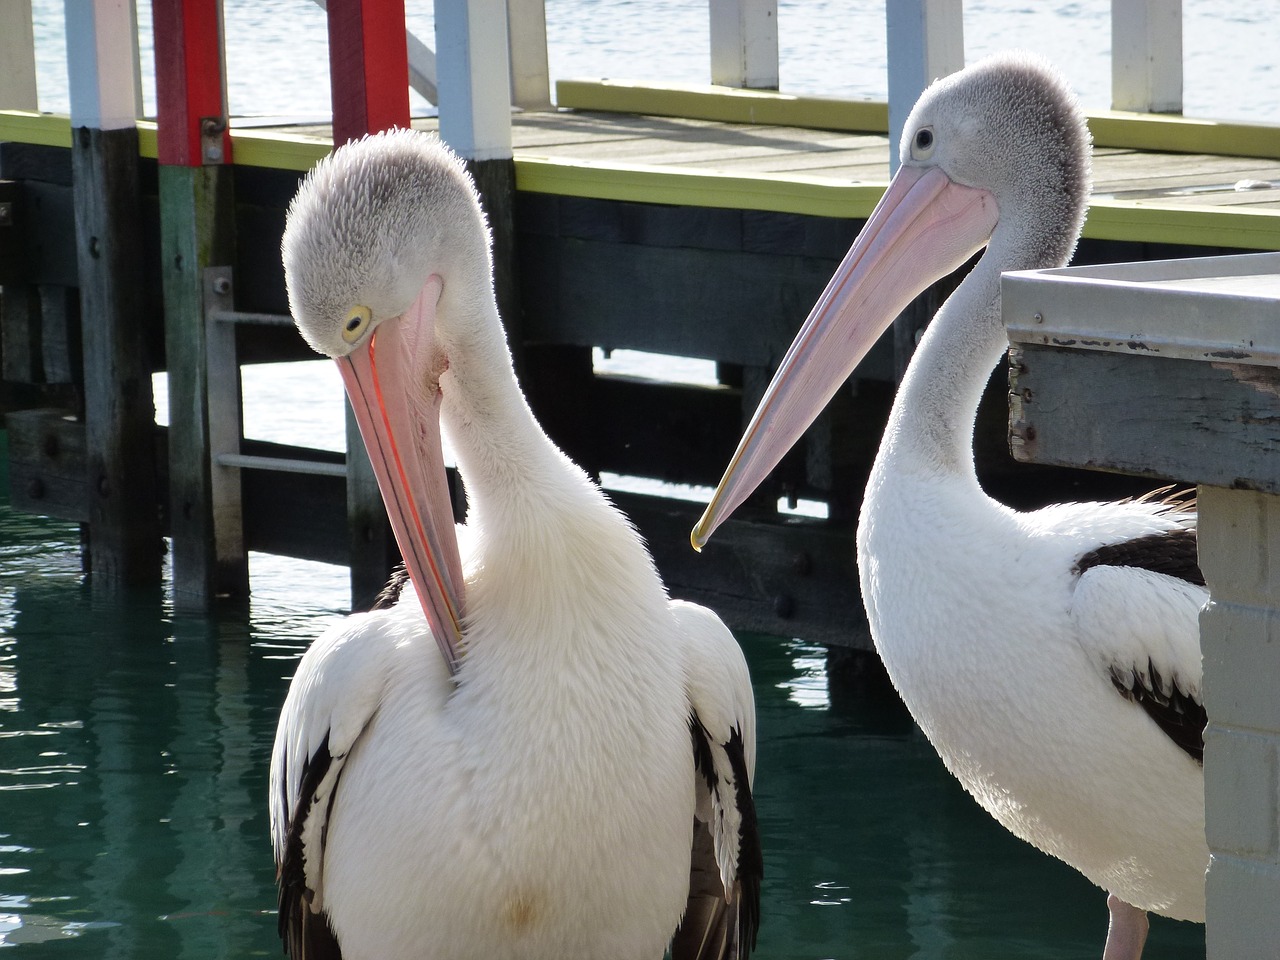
x,y
724,104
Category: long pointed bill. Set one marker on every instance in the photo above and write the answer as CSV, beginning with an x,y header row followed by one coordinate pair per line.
x,y
398,412
924,227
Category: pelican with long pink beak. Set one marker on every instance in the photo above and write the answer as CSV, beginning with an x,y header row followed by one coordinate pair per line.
x,y
528,751
1051,657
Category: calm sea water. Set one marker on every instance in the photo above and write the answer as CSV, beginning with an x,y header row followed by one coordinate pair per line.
x,y
276,60
134,748
134,744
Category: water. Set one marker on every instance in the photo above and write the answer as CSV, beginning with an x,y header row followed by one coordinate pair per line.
x,y
133,759
827,47
134,744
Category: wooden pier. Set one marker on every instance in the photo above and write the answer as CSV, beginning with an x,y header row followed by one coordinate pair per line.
x,y
683,221
1168,369
686,221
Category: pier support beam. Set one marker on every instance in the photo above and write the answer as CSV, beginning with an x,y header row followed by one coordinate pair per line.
x,y
744,43
475,120
925,42
369,72
124,525
18,54
196,232
1146,55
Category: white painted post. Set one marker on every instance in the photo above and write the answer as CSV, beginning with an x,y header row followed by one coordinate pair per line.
x,y
472,76
1146,55
18,54
925,42
530,76
744,43
103,85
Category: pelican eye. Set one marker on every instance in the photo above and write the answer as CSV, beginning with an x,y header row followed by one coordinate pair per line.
x,y
357,321
922,143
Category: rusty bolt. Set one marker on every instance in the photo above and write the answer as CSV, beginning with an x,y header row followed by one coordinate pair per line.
x,y
222,286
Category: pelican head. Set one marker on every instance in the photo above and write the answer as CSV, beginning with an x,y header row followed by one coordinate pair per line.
x,y
994,156
369,226
383,243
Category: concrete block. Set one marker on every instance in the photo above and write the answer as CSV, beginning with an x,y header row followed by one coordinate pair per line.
x,y
1243,910
1241,648
1240,793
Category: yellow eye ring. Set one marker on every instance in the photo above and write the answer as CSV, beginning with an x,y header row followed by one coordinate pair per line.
x,y
357,321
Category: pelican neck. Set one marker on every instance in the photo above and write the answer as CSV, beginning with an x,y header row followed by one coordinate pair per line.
x,y
931,423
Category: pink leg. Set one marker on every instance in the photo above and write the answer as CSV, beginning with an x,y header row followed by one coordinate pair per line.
x,y
1127,931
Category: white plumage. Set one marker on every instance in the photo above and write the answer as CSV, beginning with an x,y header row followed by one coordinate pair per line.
x,y
1051,657
543,802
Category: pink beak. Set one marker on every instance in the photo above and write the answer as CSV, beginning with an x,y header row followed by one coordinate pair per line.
x,y
924,227
392,383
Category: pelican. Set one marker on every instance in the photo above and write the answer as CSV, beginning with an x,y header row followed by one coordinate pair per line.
x,y
529,751
1051,657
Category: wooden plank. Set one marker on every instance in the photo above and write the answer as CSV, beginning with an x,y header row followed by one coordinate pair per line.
x,y
790,578
1214,423
20,336
48,470
727,104
1154,222
224,418
125,546
197,231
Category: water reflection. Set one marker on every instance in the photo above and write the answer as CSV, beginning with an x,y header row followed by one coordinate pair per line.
x,y
134,748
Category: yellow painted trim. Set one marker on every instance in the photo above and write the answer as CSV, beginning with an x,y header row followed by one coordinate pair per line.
x,y
723,104
44,129
1110,128
1151,131
1147,222
255,147
640,183
265,147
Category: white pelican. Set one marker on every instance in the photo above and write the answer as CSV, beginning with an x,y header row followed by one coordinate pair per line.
x,y
582,782
1051,657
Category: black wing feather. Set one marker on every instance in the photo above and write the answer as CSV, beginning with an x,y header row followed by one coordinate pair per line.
x,y
1180,715
305,933
719,925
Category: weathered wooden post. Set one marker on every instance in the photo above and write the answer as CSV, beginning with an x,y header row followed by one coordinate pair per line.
x,y
925,42
196,232
530,77
18,54
369,73
475,120
744,43
1146,55
124,524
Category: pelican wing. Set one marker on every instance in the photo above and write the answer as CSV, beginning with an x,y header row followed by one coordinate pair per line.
x,y
1137,606
723,912
334,695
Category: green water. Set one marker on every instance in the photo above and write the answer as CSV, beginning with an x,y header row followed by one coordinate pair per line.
x,y
133,757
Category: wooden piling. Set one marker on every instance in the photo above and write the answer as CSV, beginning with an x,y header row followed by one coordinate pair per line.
x,y
197,232
124,525
369,71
